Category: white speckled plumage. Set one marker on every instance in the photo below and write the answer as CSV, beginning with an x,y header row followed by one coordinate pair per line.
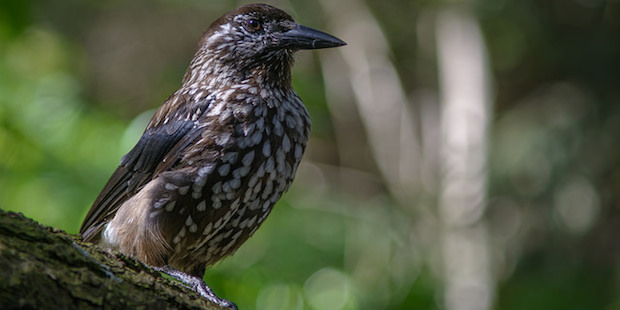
x,y
219,152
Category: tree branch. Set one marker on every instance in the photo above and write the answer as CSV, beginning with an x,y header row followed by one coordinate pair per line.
x,y
46,268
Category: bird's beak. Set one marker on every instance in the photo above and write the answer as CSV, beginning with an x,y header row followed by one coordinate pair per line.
x,y
306,38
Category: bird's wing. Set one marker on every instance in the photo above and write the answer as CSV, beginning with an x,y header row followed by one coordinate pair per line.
x,y
159,147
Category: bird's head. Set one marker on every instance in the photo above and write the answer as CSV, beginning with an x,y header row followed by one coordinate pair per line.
x,y
256,37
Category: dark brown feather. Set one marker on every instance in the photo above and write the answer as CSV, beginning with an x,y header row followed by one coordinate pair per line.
x,y
159,147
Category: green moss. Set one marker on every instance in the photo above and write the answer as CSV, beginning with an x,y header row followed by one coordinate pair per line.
x,y
46,268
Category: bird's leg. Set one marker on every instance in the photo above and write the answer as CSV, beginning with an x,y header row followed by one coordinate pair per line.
x,y
198,285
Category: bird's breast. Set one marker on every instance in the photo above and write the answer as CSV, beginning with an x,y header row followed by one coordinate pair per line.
x,y
245,160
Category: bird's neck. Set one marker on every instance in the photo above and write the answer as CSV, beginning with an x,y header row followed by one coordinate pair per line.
x,y
270,71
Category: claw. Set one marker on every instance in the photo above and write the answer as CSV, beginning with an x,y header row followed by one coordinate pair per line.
x,y
198,285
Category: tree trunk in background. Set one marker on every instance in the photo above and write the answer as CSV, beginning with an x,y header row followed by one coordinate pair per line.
x,y
465,114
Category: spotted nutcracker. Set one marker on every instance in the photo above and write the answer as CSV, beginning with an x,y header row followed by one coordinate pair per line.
x,y
217,155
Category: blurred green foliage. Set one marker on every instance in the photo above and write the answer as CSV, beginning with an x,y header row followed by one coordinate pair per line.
x,y
77,77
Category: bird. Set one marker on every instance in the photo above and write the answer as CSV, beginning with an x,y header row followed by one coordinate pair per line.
x,y
216,155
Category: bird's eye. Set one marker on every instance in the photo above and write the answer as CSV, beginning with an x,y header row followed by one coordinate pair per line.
x,y
255,24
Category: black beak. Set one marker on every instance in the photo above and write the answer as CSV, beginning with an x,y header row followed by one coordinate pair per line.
x,y
305,38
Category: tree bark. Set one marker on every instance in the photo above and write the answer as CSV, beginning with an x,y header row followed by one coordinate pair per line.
x,y
46,268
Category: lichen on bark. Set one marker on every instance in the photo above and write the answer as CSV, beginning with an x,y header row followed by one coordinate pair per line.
x,y
46,268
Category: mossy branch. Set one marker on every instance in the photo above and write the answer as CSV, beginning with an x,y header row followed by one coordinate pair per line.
x,y
46,268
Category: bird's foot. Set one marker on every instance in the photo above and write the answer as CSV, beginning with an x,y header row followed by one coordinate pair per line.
x,y
198,285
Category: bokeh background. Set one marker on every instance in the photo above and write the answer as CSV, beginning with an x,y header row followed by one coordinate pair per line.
x,y
464,154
